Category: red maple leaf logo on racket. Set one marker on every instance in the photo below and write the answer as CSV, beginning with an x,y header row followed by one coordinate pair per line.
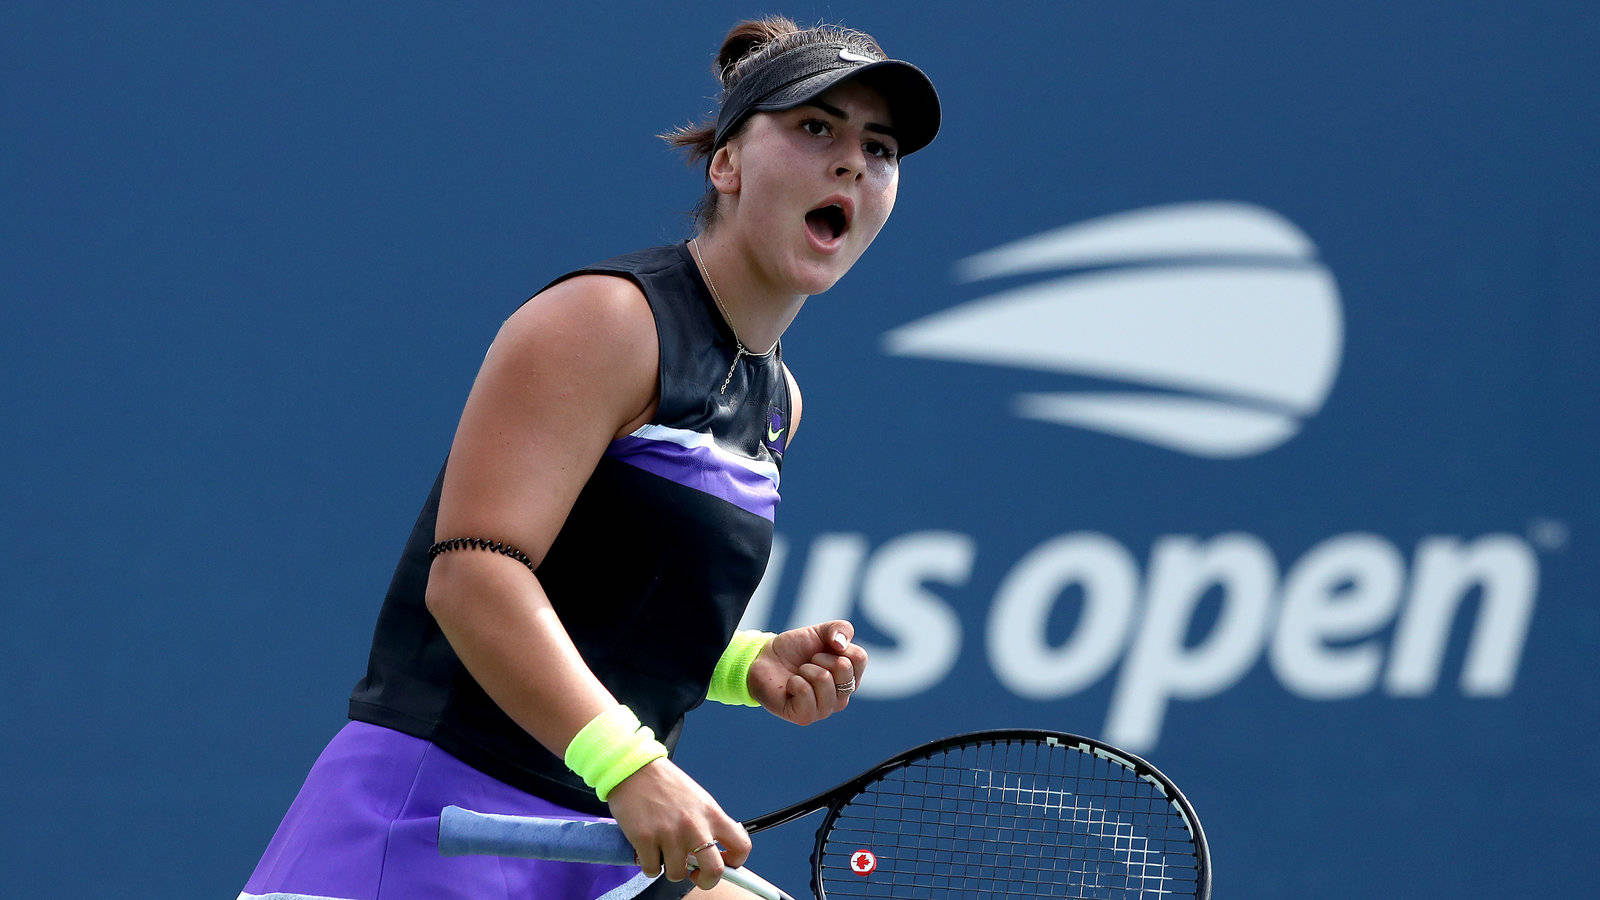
x,y
863,862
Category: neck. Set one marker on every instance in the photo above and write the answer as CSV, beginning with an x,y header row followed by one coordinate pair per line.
x,y
758,310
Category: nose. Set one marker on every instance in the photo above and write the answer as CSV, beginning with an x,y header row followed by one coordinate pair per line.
x,y
851,163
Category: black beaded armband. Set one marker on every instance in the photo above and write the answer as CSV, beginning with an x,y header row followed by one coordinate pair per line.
x,y
481,544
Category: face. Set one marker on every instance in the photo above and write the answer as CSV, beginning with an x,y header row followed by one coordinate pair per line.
x,y
807,189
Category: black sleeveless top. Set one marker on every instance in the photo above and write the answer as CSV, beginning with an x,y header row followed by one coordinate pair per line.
x,y
652,568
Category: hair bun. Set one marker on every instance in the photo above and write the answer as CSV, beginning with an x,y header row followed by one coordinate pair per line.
x,y
746,38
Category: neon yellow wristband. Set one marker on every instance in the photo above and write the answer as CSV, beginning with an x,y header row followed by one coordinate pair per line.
x,y
730,681
611,747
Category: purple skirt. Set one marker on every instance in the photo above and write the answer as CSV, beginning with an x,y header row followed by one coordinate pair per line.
x,y
366,826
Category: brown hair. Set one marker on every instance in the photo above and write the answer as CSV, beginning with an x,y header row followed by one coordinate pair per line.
x,y
748,44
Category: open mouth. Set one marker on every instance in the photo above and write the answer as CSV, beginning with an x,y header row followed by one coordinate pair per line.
x,y
828,223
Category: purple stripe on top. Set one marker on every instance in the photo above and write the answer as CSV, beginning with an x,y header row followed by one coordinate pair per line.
x,y
702,469
365,827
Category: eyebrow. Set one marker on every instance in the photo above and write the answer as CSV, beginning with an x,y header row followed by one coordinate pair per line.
x,y
832,110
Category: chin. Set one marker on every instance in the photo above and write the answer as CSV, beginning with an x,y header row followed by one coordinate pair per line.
x,y
814,276
813,283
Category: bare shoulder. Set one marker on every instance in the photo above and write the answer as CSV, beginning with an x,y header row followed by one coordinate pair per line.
x,y
795,403
586,315
595,328
566,374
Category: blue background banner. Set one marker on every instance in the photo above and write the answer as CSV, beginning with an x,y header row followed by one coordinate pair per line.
x,y
1223,386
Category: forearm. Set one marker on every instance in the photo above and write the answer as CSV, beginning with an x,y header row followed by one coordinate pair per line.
x,y
498,620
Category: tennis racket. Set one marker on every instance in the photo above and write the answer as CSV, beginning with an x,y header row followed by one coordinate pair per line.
x,y
1007,813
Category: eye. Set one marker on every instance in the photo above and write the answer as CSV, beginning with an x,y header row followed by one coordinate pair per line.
x,y
815,127
881,150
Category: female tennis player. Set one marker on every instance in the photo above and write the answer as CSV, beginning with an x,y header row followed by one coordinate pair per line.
x,y
573,583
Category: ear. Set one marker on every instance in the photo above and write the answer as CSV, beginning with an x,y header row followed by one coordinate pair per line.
x,y
724,170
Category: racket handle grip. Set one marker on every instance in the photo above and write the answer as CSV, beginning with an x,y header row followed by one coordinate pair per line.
x,y
463,832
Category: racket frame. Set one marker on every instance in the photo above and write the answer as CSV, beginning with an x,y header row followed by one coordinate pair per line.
x,y
837,797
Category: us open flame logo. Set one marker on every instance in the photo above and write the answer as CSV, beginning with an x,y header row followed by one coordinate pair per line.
x,y
1217,326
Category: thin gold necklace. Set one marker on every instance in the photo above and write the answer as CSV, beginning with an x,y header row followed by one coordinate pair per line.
x,y
739,348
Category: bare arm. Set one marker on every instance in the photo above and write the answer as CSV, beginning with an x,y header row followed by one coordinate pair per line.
x,y
567,371
573,369
798,675
794,405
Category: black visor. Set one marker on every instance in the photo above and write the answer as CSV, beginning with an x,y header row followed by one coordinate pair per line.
x,y
800,75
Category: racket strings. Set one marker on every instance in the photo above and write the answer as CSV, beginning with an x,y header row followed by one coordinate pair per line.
x,y
1013,819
